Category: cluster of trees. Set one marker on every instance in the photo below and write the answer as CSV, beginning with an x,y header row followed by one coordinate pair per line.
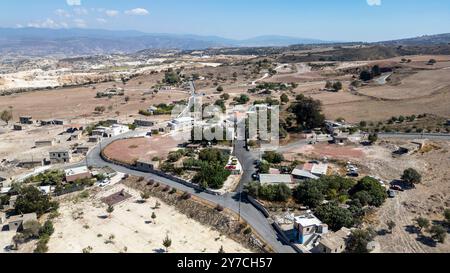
x,y
172,77
35,231
437,231
273,193
307,112
335,86
212,173
273,157
242,99
47,178
32,200
339,190
369,75
312,193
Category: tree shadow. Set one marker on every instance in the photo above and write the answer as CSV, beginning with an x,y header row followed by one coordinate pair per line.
x,y
103,217
382,232
159,250
411,229
426,241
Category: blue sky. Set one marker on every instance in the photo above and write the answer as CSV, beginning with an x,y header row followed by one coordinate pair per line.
x,y
343,20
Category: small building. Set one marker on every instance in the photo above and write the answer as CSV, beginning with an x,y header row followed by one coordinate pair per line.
x,y
58,122
164,130
181,123
112,121
62,156
152,109
316,168
30,164
17,127
308,228
26,120
300,174
47,122
144,123
144,165
43,143
274,179
20,222
75,174
82,150
333,242
341,139
94,139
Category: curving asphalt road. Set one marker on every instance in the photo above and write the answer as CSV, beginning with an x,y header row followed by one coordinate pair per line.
x,y
249,213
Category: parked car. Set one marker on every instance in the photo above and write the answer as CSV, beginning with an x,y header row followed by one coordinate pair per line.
x,y
397,188
255,176
391,194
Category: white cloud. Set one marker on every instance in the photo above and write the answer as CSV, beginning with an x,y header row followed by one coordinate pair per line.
x,y
73,2
102,20
374,2
80,11
137,11
112,13
80,23
48,23
62,13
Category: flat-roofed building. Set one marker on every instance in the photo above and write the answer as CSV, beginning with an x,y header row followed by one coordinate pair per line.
x,y
60,156
75,174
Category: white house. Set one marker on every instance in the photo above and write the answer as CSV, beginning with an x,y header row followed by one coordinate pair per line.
x,y
308,229
181,123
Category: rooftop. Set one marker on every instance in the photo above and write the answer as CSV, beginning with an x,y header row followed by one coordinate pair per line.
x,y
303,173
76,171
334,240
307,220
275,178
23,217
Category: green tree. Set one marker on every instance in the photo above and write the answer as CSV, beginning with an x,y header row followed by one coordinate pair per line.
x,y
376,71
411,176
225,96
391,225
6,116
145,196
358,241
422,223
337,86
376,191
373,138
365,76
438,233
33,200
284,98
242,99
221,250
447,216
334,216
167,242
273,157
308,113
47,229
309,194
110,210
220,88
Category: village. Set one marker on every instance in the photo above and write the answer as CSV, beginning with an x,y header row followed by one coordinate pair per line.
x,y
94,157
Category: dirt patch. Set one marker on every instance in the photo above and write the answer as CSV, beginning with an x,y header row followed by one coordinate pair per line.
x,y
203,212
84,225
129,150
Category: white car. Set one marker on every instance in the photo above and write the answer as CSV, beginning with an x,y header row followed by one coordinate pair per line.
x,y
104,183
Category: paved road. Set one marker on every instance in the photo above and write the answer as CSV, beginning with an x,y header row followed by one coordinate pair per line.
x,y
231,201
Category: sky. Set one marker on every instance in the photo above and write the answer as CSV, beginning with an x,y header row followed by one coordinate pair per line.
x,y
336,20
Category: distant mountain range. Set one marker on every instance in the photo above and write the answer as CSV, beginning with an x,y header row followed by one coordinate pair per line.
x,y
76,42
